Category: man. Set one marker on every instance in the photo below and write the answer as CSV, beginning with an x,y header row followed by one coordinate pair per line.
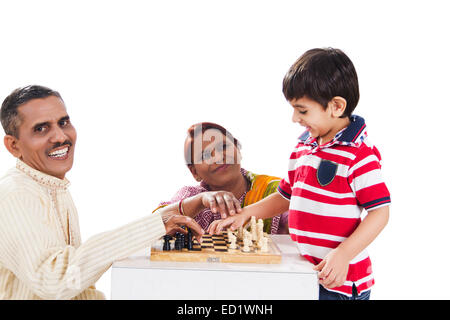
x,y
41,254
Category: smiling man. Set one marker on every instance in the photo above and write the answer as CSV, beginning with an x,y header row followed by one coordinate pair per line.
x,y
47,137
41,253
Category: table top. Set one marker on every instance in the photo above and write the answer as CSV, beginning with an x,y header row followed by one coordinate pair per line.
x,y
291,261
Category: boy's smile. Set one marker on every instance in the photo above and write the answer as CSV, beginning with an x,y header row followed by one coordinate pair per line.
x,y
322,124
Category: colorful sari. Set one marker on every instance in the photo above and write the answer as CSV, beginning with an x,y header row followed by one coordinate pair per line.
x,y
260,186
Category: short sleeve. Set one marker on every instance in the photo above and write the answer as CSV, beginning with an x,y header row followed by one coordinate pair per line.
x,y
366,180
284,188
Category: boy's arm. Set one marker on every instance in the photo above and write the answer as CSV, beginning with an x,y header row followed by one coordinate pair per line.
x,y
334,267
268,207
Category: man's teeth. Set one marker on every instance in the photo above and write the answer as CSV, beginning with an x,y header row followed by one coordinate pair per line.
x,y
59,153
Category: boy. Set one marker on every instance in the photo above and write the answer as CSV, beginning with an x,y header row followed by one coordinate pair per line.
x,y
334,173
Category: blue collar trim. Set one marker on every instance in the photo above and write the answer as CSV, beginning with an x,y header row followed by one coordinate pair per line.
x,y
351,135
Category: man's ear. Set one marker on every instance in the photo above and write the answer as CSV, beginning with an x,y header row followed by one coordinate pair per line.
x,y
338,105
12,145
194,172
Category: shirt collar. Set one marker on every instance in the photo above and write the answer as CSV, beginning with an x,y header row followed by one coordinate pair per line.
x,y
352,135
42,178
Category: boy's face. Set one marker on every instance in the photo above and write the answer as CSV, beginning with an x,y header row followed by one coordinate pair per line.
x,y
321,123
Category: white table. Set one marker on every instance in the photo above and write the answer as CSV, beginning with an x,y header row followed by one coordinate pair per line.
x,y
137,278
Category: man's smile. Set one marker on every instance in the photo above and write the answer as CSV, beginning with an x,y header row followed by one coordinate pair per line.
x,y
60,153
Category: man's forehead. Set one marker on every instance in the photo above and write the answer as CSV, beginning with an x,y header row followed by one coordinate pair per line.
x,y
42,110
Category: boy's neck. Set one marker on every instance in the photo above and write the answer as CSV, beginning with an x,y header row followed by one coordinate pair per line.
x,y
340,124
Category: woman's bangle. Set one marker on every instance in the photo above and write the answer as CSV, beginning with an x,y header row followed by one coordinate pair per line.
x,y
180,208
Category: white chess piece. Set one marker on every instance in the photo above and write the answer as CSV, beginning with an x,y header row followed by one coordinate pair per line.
x,y
232,239
247,241
247,244
253,228
260,229
240,233
264,247
229,233
246,235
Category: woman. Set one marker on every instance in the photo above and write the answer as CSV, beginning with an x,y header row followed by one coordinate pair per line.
x,y
213,157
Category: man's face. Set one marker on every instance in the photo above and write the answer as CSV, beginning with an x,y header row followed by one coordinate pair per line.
x,y
46,136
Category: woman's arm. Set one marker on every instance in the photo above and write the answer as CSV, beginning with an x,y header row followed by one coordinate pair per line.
x,y
218,201
266,208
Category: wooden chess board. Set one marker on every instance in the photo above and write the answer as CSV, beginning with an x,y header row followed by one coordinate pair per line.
x,y
215,248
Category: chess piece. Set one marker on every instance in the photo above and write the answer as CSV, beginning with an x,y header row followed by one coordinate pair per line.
x,y
189,240
260,229
247,243
264,247
232,239
166,245
229,233
246,235
240,234
179,241
253,228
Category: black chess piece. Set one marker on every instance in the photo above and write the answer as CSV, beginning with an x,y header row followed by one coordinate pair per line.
x,y
189,240
166,245
179,242
182,241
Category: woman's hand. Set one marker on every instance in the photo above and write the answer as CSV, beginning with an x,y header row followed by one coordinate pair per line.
x,y
221,201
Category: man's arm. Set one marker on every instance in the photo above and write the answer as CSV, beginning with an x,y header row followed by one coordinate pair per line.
x,y
30,247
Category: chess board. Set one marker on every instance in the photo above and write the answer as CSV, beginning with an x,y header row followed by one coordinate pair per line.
x,y
215,248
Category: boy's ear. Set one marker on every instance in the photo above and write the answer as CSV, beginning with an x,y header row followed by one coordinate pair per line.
x,y
194,173
338,105
11,145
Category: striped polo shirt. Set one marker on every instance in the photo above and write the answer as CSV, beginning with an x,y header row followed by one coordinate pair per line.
x,y
328,187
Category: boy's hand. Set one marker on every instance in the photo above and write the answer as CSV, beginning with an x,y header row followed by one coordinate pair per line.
x,y
233,222
332,269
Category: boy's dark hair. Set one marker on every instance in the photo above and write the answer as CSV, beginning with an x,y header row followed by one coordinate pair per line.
x,y
8,114
321,74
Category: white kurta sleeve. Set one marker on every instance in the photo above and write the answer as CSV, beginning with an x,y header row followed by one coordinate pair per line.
x,y
29,248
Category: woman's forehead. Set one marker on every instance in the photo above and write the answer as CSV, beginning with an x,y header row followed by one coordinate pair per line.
x,y
211,137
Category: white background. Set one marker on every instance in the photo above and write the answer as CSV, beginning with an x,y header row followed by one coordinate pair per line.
x,y
136,74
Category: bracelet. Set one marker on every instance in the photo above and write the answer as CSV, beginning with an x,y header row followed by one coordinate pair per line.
x,y
180,207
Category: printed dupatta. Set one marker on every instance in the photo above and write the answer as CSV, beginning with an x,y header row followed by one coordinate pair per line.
x,y
261,186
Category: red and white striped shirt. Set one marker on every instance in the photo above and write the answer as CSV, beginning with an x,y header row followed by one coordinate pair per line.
x,y
328,187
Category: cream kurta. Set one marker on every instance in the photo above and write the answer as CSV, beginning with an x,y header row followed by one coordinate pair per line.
x,y
41,254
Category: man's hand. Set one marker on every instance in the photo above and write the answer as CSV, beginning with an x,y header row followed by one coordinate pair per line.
x,y
233,222
332,269
221,201
173,221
